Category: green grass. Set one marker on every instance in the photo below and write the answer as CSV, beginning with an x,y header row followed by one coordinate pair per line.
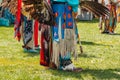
x,y
100,60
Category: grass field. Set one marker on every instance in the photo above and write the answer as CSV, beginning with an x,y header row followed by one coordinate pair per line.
x,y
100,60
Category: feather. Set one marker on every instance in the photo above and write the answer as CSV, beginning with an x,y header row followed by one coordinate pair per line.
x,y
40,11
96,8
4,3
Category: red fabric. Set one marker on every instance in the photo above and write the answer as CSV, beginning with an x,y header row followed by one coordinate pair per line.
x,y
19,10
36,33
17,23
42,54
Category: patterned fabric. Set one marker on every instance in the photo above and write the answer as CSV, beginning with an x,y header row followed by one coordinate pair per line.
x,y
63,33
63,19
28,31
29,34
69,19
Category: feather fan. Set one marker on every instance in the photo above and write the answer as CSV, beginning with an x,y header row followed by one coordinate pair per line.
x,y
96,8
42,11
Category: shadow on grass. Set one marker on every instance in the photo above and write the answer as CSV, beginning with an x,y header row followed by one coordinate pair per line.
x,y
87,56
92,43
116,34
88,21
31,54
98,74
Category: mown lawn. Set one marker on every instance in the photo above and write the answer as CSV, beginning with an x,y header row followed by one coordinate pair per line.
x,y
100,60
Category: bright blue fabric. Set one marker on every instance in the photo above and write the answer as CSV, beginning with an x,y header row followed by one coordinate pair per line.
x,y
73,3
63,15
4,22
9,16
60,10
63,19
69,18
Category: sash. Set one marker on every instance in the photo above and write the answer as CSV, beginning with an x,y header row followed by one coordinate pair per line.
x,y
18,20
36,33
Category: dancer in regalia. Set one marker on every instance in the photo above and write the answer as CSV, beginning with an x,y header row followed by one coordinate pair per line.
x,y
58,41
28,28
113,17
24,25
64,33
104,20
